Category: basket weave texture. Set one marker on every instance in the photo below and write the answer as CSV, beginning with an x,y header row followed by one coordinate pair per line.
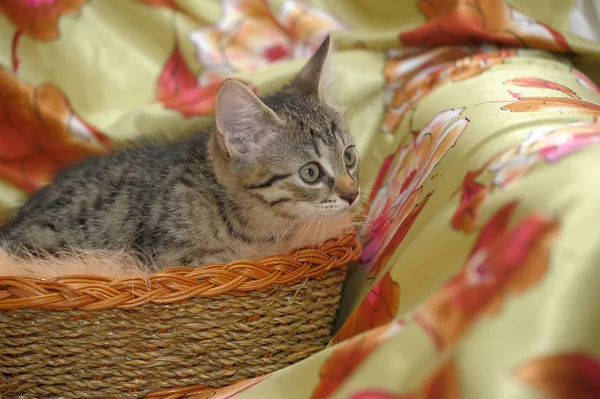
x,y
171,333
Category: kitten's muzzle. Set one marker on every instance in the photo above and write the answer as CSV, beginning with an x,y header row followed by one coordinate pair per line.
x,y
350,195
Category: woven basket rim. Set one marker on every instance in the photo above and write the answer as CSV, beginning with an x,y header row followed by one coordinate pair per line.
x,y
177,284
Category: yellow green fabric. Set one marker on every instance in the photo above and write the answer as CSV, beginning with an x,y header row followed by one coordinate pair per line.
x,y
478,136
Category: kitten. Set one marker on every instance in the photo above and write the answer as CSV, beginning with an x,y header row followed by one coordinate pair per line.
x,y
273,174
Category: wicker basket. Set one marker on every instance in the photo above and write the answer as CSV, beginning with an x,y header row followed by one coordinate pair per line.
x,y
178,331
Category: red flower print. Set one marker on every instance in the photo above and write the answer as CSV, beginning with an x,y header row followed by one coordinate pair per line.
x,y
398,201
40,133
249,35
563,376
37,19
378,308
544,144
178,89
385,166
401,232
503,261
472,196
477,21
442,385
172,5
347,356
413,73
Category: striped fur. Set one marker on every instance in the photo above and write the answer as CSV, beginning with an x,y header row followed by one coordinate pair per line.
x,y
233,191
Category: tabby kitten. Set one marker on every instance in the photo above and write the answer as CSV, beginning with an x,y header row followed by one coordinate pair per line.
x,y
271,172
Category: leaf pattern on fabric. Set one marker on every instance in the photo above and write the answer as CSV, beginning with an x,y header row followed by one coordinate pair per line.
x,y
542,84
177,88
443,384
398,201
563,376
250,35
553,104
37,19
571,104
503,262
412,73
378,308
472,196
548,144
347,356
477,21
40,133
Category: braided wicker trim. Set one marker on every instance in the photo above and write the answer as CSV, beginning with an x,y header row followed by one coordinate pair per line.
x,y
89,292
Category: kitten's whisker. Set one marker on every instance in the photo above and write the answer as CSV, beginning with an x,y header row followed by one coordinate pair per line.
x,y
319,219
293,224
325,225
297,235
371,176
305,230
324,221
365,181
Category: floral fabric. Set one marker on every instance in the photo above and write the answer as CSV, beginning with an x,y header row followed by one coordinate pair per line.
x,y
477,123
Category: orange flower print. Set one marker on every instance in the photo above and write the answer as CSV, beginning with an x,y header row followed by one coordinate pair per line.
x,y
548,144
563,376
503,261
346,357
40,133
477,21
570,104
249,35
443,384
378,308
414,72
39,18
399,200
553,104
36,18
542,84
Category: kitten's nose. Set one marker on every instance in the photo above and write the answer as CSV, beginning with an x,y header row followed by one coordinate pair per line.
x,y
350,195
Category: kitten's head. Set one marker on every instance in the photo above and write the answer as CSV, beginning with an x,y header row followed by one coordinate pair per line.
x,y
290,150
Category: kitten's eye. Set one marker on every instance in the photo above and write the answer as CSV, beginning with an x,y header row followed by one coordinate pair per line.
x,y
310,172
349,157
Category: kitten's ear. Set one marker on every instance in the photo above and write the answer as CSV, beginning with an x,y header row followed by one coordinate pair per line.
x,y
243,120
316,77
